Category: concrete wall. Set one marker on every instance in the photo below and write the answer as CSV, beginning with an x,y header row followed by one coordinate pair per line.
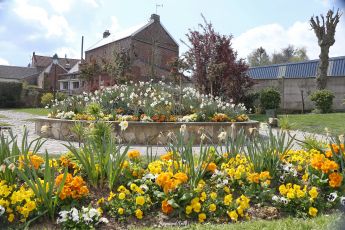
x,y
143,133
291,88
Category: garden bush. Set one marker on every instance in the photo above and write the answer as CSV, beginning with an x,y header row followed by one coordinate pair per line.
x,y
250,101
10,94
47,99
269,98
323,100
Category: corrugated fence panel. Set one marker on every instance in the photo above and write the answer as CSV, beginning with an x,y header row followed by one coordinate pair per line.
x,y
267,72
297,70
338,67
301,70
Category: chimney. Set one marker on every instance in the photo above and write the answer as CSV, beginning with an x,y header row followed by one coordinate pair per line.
x,y
155,17
106,33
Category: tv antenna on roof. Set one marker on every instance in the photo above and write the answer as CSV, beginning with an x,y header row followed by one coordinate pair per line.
x,y
158,5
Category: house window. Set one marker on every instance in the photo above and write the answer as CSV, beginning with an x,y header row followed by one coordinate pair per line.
x,y
75,85
64,85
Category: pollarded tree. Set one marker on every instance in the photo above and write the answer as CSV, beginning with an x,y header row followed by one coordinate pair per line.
x,y
258,57
214,65
325,33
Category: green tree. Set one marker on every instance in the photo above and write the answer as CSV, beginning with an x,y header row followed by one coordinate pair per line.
x,y
290,54
118,66
89,70
258,57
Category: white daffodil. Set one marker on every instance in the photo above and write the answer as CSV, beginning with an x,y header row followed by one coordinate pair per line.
x,y
12,167
123,125
183,129
3,168
222,136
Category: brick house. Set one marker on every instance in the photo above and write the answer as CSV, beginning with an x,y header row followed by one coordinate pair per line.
x,y
50,72
149,45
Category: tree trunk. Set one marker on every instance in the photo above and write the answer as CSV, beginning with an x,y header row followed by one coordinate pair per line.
x,y
321,79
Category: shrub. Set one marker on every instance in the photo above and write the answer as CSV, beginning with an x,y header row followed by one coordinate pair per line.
x,y
46,99
10,94
269,98
323,100
250,101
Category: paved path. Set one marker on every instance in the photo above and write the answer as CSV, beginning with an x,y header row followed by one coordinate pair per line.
x,y
18,120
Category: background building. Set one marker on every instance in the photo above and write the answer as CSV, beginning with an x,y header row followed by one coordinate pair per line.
x,y
149,45
296,81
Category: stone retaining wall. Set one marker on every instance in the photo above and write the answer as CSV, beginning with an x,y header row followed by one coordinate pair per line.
x,y
143,133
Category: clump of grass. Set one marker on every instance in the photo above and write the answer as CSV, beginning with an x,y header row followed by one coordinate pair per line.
x,y
284,123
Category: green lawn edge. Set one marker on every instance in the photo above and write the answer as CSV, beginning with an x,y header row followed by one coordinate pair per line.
x,y
332,221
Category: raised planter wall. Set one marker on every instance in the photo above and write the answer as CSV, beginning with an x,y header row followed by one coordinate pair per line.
x,y
143,133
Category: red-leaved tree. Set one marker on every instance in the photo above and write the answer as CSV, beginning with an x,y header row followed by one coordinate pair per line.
x,y
214,64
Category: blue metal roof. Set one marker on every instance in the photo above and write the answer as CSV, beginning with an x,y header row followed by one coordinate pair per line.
x,y
303,69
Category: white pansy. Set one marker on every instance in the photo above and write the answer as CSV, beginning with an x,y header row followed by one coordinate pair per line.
x,y
93,212
275,198
74,214
332,196
103,220
342,200
284,200
2,210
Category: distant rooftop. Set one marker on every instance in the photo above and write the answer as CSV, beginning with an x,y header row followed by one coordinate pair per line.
x,y
16,72
116,36
45,61
305,69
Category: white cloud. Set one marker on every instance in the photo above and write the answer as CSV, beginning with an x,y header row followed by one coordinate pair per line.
x,y
4,62
55,25
70,52
115,25
274,37
61,5
93,3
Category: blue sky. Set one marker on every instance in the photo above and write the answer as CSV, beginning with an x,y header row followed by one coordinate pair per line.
x,y
50,26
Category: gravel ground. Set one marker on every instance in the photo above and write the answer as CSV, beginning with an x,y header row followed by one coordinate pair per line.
x,y
18,120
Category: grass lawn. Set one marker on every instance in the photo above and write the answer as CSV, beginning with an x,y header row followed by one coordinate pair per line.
x,y
2,116
314,123
319,223
34,111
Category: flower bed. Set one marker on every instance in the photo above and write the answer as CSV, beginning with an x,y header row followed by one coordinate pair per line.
x,y
103,185
148,102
